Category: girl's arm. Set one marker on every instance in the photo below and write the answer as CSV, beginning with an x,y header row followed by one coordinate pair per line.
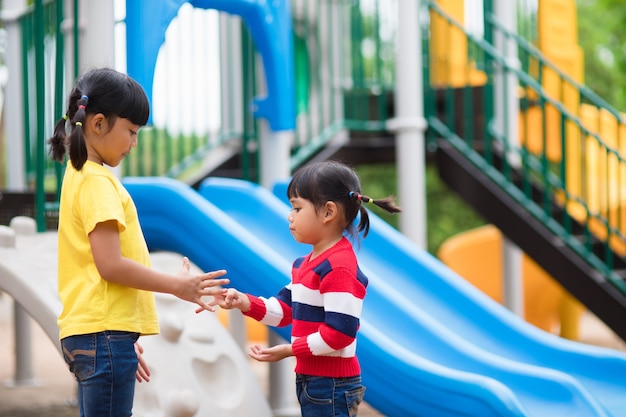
x,y
113,267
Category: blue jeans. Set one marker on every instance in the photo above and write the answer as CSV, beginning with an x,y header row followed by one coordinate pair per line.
x,y
329,397
105,365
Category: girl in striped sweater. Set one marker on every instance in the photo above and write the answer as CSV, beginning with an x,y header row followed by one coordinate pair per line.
x,y
324,299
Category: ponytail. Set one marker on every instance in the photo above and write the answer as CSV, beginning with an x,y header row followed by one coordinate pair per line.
x,y
60,141
57,141
386,204
78,148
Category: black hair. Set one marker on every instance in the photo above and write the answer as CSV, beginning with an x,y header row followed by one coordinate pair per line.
x,y
325,181
101,90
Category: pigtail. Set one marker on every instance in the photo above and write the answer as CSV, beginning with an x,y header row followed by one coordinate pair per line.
x,y
364,222
386,204
57,141
78,148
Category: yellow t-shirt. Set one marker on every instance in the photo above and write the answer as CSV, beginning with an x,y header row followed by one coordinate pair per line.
x,y
90,303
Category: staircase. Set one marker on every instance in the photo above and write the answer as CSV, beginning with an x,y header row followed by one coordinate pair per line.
x,y
560,194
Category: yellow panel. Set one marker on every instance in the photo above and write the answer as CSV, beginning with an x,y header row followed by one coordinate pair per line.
x,y
531,121
601,180
449,64
557,24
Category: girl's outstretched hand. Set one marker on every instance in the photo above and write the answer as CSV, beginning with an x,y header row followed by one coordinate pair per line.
x,y
193,287
271,354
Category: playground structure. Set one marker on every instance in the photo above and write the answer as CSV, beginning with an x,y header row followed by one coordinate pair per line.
x,y
512,383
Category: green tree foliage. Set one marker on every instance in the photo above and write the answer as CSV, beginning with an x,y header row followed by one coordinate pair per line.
x,y
602,36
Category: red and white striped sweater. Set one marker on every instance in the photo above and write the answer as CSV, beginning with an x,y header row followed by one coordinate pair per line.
x,y
323,303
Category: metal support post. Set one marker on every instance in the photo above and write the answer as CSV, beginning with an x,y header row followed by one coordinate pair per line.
x,y
409,124
506,114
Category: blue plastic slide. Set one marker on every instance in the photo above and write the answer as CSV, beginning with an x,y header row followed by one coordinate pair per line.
x,y
430,344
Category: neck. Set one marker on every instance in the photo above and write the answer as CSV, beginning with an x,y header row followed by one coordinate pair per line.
x,y
323,246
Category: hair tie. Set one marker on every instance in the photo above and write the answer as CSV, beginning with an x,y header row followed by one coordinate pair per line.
x,y
81,106
360,197
65,117
84,97
79,124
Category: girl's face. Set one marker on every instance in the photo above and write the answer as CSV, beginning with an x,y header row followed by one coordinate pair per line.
x,y
305,223
112,143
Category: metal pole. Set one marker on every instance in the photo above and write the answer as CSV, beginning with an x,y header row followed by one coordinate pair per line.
x,y
409,123
97,43
506,114
14,115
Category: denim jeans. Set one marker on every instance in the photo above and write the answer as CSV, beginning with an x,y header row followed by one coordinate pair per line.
x,y
105,365
329,397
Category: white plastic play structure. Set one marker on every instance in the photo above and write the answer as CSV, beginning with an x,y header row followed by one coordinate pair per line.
x,y
197,368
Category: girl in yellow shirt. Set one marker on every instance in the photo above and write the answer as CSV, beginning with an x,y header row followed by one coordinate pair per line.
x,y
105,281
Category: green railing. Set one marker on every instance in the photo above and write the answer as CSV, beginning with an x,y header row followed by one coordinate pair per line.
x,y
43,89
571,143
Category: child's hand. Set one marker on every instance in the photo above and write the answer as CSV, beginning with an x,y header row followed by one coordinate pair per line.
x,y
234,299
229,299
143,371
271,354
194,287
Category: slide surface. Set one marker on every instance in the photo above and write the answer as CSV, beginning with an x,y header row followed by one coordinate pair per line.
x,y
430,343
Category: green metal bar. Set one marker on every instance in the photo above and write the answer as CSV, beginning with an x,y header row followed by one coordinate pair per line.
x,y
377,75
40,196
489,88
330,16
429,92
59,84
27,42
309,120
248,71
381,96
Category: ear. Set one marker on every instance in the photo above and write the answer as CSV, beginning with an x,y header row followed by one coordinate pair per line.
x,y
329,211
98,123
